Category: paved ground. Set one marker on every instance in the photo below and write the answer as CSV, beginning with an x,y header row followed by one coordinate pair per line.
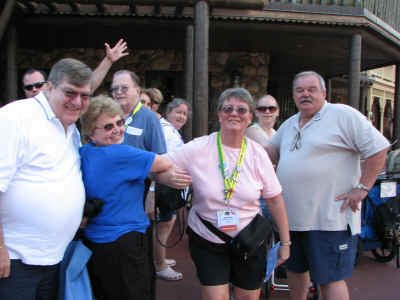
x,y
371,280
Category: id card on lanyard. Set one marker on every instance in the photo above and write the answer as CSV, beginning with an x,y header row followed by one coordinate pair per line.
x,y
228,219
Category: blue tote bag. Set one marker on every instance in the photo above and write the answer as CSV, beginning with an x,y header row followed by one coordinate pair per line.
x,y
74,277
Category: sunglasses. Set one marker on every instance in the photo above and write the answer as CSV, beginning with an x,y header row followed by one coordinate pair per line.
x,y
122,88
38,85
229,109
110,126
296,144
265,108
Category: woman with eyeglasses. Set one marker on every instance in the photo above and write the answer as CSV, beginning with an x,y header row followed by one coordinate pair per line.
x,y
119,267
156,98
230,172
267,113
145,98
176,115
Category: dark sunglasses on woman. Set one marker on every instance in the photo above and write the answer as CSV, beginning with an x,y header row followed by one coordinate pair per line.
x,y
265,108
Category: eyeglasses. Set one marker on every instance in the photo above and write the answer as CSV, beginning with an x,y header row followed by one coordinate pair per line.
x,y
296,144
71,94
229,109
122,88
110,126
38,85
265,108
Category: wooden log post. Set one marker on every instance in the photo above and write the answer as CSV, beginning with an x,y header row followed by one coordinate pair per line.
x,y
355,71
396,117
189,64
11,69
200,99
5,16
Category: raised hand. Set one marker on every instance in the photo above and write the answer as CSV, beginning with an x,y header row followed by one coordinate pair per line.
x,y
118,51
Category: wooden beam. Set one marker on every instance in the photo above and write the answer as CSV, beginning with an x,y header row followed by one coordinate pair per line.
x,y
354,71
5,16
132,6
396,117
179,9
11,61
201,53
27,6
189,64
244,4
50,5
74,5
157,8
100,6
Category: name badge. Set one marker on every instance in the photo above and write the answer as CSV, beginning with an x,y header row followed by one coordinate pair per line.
x,y
134,131
227,220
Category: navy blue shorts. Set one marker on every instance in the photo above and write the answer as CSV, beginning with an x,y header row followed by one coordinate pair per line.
x,y
328,255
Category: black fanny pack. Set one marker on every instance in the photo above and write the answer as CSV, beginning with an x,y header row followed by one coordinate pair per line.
x,y
249,239
169,199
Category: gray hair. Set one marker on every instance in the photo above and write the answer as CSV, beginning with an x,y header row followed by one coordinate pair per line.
x,y
307,73
72,70
99,105
240,93
134,77
175,103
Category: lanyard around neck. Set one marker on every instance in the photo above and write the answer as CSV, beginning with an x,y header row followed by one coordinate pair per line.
x,y
138,106
231,181
130,118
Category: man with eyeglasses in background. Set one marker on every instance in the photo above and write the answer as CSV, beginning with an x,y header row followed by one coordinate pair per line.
x,y
33,82
319,151
143,131
41,189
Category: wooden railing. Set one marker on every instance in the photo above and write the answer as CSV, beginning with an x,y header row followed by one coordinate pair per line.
x,y
387,10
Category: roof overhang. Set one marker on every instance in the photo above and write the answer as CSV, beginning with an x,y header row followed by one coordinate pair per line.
x,y
297,37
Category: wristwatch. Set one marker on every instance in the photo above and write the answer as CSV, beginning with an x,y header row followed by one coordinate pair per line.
x,y
362,187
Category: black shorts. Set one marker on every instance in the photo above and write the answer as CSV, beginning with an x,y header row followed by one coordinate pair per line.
x,y
216,265
121,269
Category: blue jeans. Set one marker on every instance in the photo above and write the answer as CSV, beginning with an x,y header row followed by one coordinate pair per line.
x,y
30,282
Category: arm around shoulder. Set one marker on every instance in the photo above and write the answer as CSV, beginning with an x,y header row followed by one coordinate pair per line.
x,y
256,135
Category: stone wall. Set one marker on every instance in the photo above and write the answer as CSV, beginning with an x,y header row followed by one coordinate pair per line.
x,y
227,69
250,70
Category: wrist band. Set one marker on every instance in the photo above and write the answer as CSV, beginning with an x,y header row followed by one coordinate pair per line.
x,y
286,243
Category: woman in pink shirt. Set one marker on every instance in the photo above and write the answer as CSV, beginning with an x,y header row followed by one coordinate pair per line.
x,y
229,175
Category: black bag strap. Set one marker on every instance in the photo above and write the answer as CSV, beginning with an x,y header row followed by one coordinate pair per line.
x,y
223,236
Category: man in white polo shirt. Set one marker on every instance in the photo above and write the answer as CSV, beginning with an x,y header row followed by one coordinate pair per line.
x,y
41,190
323,185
